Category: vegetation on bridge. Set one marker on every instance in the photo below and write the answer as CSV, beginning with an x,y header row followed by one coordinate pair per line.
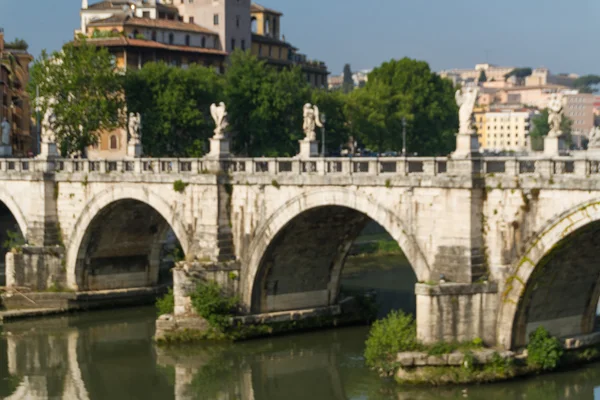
x,y
264,105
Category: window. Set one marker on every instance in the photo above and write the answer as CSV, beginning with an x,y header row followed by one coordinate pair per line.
x,y
187,40
260,49
237,21
171,38
253,25
267,26
146,14
191,20
280,52
216,19
113,142
154,35
243,44
274,26
203,42
232,44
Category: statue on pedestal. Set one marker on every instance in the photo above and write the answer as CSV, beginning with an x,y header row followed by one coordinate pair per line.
x,y
219,115
555,113
465,99
135,128
47,133
311,121
594,138
5,132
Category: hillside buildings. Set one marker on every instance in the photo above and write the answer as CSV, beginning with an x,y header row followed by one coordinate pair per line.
x,y
14,100
504,129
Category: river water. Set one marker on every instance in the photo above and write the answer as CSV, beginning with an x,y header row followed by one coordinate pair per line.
x,y
111,355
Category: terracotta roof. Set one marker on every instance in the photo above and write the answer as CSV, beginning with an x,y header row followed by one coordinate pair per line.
x,y
123,42
254,7
151,23
168,24
109,5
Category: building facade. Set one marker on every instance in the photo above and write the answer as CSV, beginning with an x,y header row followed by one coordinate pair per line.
x,y
505,130
14,99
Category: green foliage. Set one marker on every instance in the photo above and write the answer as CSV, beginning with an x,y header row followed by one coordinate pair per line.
x,y
275,184
588,83
405,89
175,107
105,34
447,348
233,276
519,73
179,186
87,91
395,333
17,44
265,106
482,76
14,241
543,350
333,105
212,304
348,82
166,304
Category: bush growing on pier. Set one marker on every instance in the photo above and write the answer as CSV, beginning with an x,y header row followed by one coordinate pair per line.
x,y
213,305
166,304
543,351
389,336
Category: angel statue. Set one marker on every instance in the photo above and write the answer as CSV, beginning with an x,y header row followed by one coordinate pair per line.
x,y
135,128
311,121
466,98
47,133
219,114
594,138
555,112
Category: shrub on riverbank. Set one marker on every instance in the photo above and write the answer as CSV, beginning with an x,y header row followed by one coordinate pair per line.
x,y
166,304
389,336
543,350
213,305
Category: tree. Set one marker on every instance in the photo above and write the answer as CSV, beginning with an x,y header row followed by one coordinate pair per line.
x,y
541,127
87,91
17,44
405,89
348,81
265,106
587,83
482,77
175,107
333,105
519,73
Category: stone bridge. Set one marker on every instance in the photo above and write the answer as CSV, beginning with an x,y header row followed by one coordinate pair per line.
x,y
499,246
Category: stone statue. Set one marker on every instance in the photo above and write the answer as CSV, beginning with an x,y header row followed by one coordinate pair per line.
x,y
311,121
47,133
466,98
135,128
555,113
5,132
219,114
594,138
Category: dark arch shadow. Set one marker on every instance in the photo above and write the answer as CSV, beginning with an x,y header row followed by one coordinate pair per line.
x,y
125,246
10,234
302,266
562,293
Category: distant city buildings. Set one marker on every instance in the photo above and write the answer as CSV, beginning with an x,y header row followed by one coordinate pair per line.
x,y
14,100
504,129
359,79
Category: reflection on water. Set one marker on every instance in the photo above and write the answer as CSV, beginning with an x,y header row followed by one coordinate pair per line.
x,y
110,355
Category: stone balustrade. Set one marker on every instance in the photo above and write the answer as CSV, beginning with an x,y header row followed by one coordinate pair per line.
x,y
425,166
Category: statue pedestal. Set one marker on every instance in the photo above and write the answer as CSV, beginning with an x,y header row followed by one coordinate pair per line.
x,y
308,148
48,150
134,150
467,145
219,148
5,150
555,146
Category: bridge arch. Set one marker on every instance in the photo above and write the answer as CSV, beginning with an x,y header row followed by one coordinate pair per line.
x,y
555,282
15,210
121,202
352,209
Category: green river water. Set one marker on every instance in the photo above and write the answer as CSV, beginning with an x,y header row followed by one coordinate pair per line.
x,y
111,355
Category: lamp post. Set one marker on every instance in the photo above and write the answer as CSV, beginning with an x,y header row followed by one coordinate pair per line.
x,y
323,120
404,136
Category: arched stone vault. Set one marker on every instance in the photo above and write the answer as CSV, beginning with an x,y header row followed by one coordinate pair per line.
x,y
75,250
538,252
353,200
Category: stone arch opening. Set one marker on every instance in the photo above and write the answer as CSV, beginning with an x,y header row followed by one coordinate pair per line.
x,y
10,235
127,244
302,265
562,292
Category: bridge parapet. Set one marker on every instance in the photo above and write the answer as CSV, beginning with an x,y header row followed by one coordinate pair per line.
x,y
398,166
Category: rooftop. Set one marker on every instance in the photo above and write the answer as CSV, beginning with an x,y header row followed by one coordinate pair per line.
x,y
151,23
121,41
254,7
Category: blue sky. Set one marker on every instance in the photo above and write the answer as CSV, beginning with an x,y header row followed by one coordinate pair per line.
x,y
562,35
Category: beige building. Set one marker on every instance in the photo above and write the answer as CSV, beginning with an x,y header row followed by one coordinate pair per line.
x,y
505,130
579,107
492,73
533,96
543,77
